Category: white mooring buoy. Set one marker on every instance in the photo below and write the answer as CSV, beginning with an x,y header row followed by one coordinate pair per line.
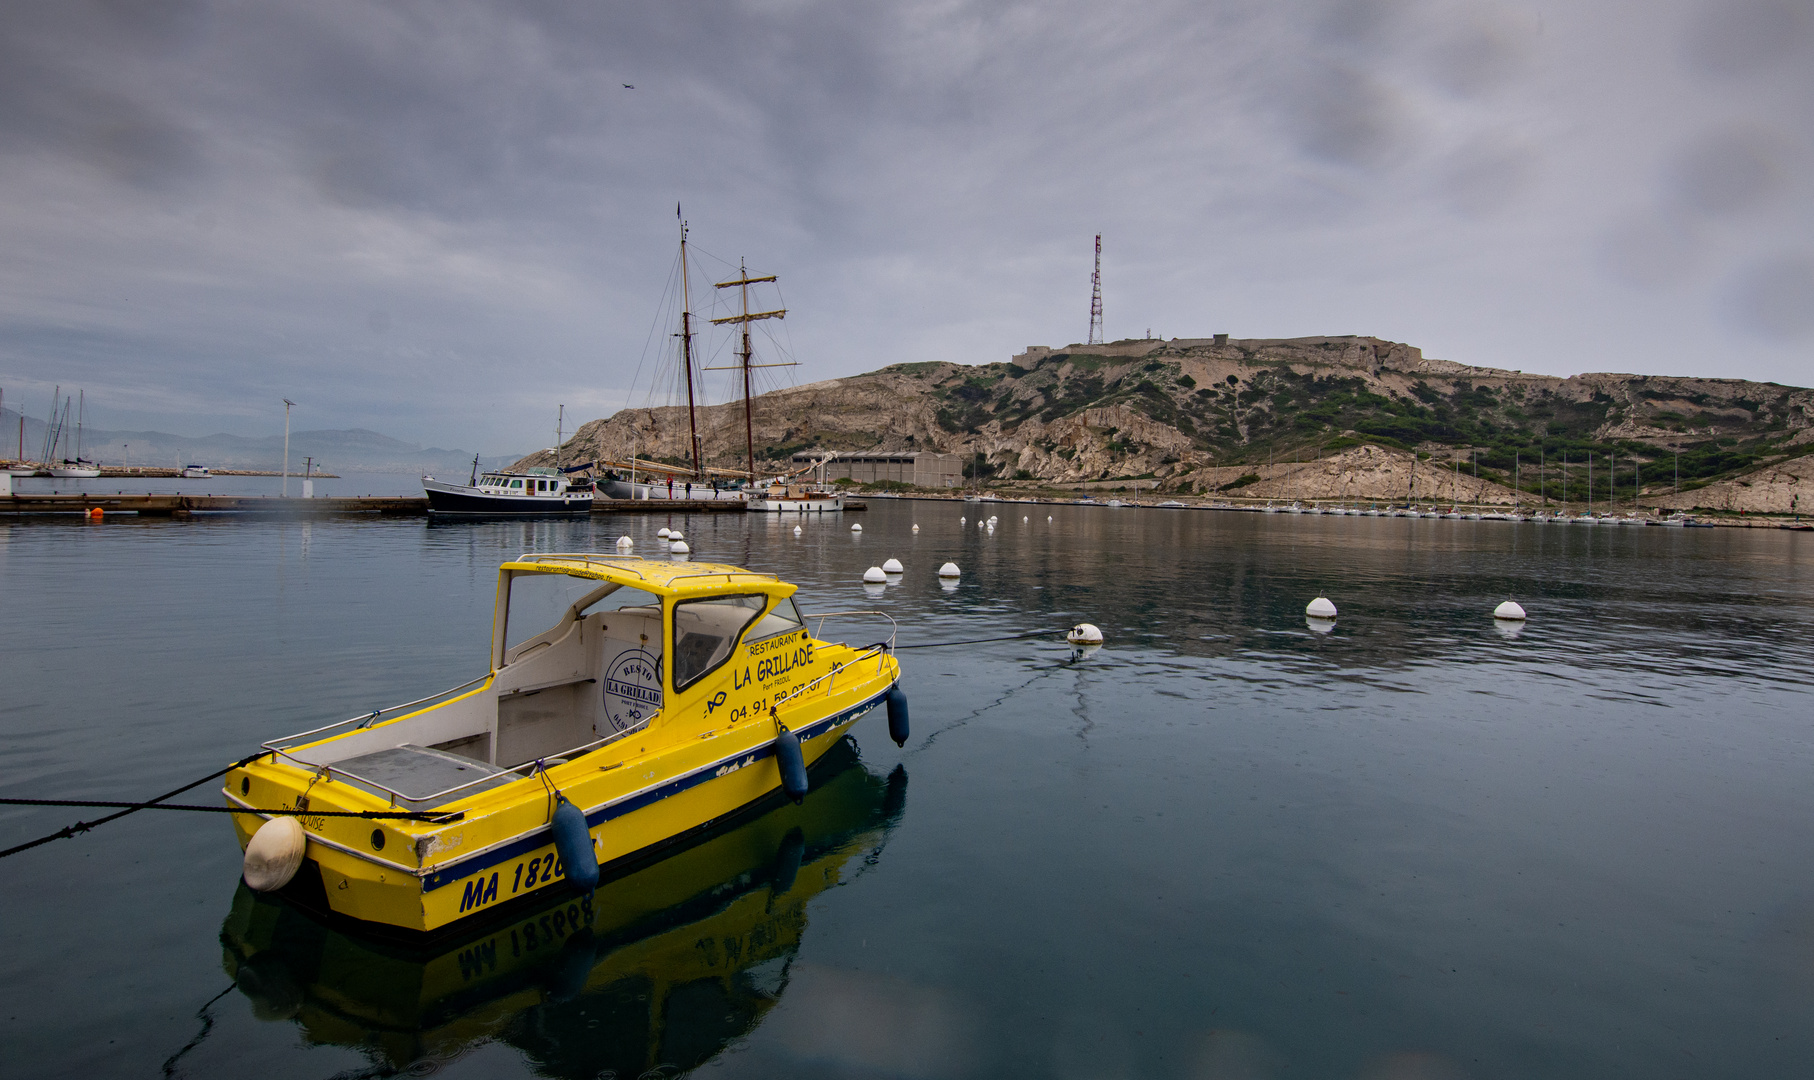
x,y
916,527
874,576
1048,517
963,521
1084,634
856,528
948,570
624,543
893,566
662,532
1320,608
675,536
1511,611
798,530
1024,520
678,547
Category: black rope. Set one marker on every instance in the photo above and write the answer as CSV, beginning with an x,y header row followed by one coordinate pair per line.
x,y
131,808
987,640
289,811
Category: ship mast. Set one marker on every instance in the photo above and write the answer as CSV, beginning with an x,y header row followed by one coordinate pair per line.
x,y
742,282
686,346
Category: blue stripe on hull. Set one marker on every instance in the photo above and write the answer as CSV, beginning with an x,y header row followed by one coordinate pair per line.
x,y
542,837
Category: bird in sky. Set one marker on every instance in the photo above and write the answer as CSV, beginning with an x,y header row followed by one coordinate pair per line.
x,y
627,86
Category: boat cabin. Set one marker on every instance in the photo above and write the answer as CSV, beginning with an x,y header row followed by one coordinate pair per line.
x,y
548,483
585,651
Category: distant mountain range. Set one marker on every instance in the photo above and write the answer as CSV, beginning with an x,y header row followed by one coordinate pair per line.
x,y
353,451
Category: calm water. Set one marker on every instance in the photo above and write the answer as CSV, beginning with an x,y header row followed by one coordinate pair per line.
x,y
1224,846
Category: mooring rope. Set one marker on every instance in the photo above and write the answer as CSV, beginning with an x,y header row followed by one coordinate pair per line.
x,y
131,808
987,640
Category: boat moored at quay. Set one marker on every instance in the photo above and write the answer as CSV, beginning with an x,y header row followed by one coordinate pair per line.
x,y
535,491
664,697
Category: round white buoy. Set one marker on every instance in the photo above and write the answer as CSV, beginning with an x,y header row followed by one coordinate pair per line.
x,y
993,519
274,853
1320,626
982,524
893,566
1024,520
948,570
675,535
679,547
798,530
662,532
916,528
1510,611
963,521
874,576
856,528
624,543
1048,517
1084,634
1320,608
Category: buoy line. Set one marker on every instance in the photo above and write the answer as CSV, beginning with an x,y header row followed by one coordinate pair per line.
x,y
984,641
131,808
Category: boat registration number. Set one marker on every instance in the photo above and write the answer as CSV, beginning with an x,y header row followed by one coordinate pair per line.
x,y
483,889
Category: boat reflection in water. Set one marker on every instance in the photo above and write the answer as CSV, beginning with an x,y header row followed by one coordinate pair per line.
x,y
664,966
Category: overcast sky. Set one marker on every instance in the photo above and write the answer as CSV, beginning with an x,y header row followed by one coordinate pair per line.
x,y
441,219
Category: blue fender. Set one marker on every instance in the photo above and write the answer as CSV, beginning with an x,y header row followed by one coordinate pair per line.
x,y
573,842
792,763
897,715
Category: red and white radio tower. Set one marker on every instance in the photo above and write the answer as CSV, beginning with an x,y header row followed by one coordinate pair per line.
x,y
1096,297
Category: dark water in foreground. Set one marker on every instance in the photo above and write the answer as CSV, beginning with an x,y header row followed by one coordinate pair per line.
x,y
1222,847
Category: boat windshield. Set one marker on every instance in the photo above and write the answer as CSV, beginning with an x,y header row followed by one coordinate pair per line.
x,y
785,617
705,631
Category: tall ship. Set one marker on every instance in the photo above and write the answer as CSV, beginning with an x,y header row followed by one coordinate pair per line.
x,y
694,479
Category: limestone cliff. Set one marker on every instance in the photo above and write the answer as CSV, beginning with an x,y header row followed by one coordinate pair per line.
x,y
1198,414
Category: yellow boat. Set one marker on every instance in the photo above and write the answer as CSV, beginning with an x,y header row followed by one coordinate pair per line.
x,y
629,703
666,964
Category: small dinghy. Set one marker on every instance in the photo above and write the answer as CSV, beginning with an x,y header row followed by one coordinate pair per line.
x,y
663,697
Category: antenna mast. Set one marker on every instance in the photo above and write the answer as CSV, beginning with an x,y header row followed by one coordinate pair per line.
x,y
743,282
686,345
1096,297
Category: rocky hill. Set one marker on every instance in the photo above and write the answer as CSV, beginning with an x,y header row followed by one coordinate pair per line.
x,y
1238,416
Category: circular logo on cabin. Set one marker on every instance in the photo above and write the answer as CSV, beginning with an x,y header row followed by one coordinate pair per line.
x,y
632,689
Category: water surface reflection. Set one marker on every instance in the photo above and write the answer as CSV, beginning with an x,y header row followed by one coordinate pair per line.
x,y
662,968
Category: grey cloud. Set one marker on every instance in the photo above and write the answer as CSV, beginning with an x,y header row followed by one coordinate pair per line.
x,y
1728,170
1774,298
1481,52
223,198
1349,116
1489,174
1650,251
1729,39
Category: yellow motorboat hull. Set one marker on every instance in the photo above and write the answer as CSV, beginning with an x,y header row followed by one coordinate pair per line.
x,y
642,804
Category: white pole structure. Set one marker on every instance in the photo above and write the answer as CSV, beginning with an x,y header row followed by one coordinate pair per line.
x,y
286,446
